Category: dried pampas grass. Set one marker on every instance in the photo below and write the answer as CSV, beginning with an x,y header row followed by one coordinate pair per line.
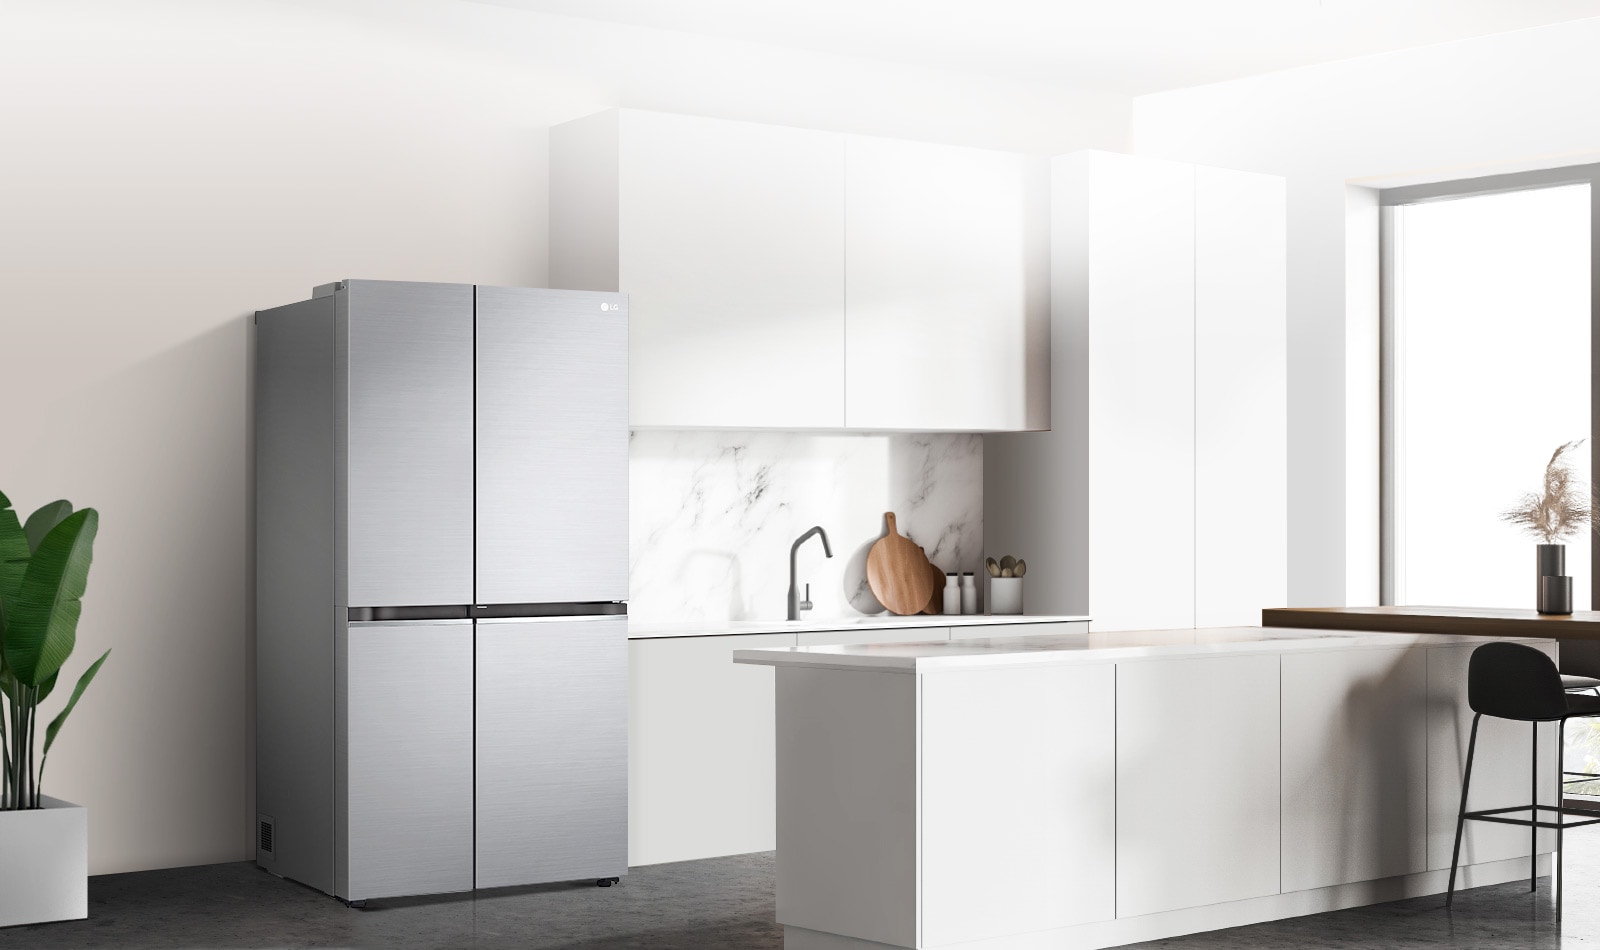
x,y
1562,510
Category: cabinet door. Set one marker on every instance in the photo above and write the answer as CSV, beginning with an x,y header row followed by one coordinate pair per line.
x,y
1240,397
1197,790
1500,769
702,748
1018,808
408,444
731,249
408,758
552,750
938,261
1141,453
552,446
1354,784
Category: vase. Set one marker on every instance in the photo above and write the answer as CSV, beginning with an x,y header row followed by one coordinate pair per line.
x,y
46,872
1552,562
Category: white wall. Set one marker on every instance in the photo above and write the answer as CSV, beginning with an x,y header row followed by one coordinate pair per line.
x,y
171,166
1499,103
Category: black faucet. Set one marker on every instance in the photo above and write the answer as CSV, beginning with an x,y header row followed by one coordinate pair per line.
x,y
794,592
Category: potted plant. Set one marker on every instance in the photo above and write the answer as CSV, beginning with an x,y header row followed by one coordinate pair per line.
x,y
1557,513
44,570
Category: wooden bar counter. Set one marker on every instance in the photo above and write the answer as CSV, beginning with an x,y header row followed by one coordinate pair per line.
x,y
1469,621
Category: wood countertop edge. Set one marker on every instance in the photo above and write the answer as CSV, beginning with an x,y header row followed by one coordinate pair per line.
x,y
1378,620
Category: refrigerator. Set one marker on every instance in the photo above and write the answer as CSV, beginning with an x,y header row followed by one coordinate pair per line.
x,y
441,582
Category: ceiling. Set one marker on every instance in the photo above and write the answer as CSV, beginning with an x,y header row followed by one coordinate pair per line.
x,y
1126,47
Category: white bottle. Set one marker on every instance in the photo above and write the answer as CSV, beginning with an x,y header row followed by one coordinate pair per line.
x,y
969,593
952,594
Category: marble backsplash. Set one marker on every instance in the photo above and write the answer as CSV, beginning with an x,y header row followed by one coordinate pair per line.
x,y
712,515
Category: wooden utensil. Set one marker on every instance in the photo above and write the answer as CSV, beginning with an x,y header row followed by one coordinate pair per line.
x,y
992,566
936,599
1007,563
897,572
1020,569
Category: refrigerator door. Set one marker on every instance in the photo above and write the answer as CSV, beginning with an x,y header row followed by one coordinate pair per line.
x,y
552,745
407,756
552,446
408,446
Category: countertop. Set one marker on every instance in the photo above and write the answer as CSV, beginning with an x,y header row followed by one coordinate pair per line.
x,y
1087,647
713,628
1483,621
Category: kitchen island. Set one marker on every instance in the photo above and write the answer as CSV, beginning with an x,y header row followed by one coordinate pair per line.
x,y
1092,790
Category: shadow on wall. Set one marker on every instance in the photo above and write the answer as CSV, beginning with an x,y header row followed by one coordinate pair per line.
x,y
161,752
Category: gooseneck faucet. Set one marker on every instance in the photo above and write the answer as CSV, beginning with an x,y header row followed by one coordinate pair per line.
x,y
794,591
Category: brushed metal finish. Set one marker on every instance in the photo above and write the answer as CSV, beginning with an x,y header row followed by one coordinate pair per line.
x,y
409,758
409,480
552,751
295,514
552,446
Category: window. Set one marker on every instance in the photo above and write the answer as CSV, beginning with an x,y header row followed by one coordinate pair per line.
x,y
1487,331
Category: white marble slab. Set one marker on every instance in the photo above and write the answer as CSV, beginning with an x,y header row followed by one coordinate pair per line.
x,y
644,630
1088,648
712,515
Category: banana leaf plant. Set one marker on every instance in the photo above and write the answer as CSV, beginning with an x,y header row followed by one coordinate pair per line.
x,y
44,570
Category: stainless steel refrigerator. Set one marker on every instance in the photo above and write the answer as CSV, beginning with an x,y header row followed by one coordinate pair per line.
x,y
441,565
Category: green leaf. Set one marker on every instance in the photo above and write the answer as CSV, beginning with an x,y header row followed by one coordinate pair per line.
x,y
46,687
42,625
14,553
77,691
42,521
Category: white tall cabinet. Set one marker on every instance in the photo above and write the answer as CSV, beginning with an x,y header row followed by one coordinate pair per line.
x,y
803,279
1158,498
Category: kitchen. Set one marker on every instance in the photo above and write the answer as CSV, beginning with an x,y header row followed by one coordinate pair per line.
x,y
804,238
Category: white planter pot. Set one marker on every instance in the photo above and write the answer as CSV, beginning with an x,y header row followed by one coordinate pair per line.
x,y
44,871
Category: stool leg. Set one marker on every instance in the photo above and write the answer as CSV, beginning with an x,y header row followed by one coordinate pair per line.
x,y
1533,837
1461,815
1561,812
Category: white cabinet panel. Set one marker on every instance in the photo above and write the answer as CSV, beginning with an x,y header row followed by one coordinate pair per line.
x,y
1018,802
731,249
1240,397
701,750
1197,793
1141,366
1500,770
831,638
937,285
1354,766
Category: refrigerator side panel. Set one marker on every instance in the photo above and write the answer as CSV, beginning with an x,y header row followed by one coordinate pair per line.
x,y
409,444
552,446
409,758
294,518
552,750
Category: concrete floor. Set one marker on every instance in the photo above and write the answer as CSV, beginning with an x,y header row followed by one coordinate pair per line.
x,y
720,904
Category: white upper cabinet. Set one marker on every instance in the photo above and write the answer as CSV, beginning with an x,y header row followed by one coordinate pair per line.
x,y
797,279
728,238
940,285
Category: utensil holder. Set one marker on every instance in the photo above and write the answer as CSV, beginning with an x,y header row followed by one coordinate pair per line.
x,y
1005,595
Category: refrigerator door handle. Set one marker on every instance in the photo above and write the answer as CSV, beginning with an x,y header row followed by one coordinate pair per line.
x,y
581,618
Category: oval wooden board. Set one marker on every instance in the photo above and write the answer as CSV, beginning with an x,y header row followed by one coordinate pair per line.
x,y
897,572
936,599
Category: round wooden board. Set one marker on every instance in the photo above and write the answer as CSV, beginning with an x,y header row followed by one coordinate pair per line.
x,y
897,572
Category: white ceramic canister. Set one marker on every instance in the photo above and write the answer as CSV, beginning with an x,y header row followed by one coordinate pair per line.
x,y
952,594
969,593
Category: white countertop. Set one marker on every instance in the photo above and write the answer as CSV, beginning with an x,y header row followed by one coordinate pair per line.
x,y
715,628
1087,647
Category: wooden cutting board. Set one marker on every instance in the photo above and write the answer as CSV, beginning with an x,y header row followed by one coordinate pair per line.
x,y
936,599
898,572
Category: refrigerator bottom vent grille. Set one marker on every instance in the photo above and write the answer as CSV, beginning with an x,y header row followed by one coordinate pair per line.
x,y
266,831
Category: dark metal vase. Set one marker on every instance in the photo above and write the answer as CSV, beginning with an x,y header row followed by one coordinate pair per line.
x,y
1552,588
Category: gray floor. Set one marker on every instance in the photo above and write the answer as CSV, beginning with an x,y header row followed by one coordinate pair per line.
x,y
721,904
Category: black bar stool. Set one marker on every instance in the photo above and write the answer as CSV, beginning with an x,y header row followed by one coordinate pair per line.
x,y
1514,681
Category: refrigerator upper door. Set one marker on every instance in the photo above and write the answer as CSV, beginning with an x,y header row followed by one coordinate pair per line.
x,y
408,466
552,446
552,750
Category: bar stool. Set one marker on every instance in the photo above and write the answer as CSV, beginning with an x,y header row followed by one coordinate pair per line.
x,y
1516,682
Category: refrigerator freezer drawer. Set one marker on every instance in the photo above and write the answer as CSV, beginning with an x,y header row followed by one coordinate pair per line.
x,y
552,750
408,759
